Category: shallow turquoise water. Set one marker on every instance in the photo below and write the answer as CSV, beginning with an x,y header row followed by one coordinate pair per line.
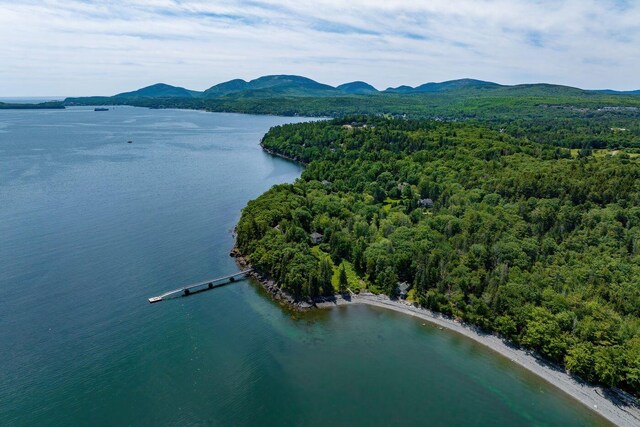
x,y
91,226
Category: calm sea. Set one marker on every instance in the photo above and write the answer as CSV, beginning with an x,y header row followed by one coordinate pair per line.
x,y
91,226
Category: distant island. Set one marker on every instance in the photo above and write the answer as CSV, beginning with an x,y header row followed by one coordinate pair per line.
x,y
290,95
49,105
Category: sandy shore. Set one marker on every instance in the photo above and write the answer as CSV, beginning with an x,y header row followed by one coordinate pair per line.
x,y
617,407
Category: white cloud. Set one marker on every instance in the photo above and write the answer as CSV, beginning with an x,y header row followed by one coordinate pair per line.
x,y
75,47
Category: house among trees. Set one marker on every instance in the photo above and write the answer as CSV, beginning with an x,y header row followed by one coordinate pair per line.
x,y
316,237
403,289
426,203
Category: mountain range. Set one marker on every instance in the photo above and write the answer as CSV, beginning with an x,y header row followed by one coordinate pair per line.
x,y
298,86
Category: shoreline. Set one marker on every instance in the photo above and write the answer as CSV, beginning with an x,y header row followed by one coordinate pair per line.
x,y
616,406
619,407
283,156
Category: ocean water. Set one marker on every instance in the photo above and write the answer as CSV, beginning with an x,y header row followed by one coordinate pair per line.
x,y
91,226
30,99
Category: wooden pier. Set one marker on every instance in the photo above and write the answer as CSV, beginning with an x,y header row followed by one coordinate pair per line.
x,y
201,286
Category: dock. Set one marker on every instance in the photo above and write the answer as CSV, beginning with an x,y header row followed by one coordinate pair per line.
x,y
201,286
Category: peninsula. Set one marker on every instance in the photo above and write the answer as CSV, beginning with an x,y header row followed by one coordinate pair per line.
x,y
532,242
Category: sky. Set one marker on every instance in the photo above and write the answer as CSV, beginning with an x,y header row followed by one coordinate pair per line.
x,y
82,47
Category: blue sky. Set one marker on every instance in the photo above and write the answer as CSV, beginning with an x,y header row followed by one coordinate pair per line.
x,y
74,47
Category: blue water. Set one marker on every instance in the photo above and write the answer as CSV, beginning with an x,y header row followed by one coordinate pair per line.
x,y
91,226
30,99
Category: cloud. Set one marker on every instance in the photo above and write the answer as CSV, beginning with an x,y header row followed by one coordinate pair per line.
x,y
73,47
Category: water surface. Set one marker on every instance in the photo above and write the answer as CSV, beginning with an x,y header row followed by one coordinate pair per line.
x,y
91,226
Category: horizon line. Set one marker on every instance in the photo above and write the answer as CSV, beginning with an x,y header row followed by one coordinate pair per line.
x,y
318,81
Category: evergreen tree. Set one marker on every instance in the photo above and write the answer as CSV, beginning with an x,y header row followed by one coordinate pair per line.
x,y
343,279
325,275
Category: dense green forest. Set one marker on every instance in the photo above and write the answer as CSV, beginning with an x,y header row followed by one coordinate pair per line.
x,y
537,242
50,105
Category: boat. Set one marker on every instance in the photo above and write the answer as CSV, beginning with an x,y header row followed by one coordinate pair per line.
x,y
129,142
100,109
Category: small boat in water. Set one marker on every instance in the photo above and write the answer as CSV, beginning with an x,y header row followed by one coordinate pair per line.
x,y
100,109
129,142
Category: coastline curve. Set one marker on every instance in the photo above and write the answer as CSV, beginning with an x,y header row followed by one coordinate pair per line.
x,y
616,406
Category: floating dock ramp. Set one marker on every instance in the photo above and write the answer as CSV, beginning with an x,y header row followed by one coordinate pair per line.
x,y
201,286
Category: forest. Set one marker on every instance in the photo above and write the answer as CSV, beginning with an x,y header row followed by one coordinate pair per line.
x,y
49,105
529,231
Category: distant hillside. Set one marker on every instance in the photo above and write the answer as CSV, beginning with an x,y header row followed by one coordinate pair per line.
x,y
619,92
445,86
544,89
463,99
357,88
290,86
222,89
160,90
269,86
400,89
